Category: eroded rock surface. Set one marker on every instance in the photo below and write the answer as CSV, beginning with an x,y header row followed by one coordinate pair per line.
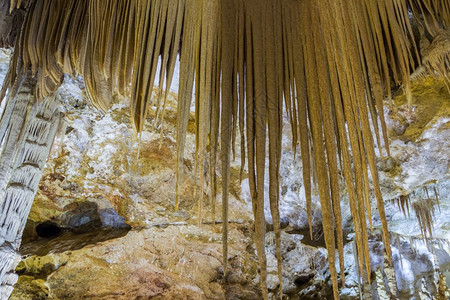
x,y
103,224
108,229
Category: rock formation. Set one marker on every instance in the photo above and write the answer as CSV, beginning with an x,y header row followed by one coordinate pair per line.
x,y
91,181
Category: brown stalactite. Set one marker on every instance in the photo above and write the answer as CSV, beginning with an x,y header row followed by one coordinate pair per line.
x,y
331,61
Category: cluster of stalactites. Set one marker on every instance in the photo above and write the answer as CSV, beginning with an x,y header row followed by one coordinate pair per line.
x,y
328,63
14,4
435,56
425,210
423,207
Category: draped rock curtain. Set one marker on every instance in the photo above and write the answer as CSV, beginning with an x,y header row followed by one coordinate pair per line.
x,y
329,65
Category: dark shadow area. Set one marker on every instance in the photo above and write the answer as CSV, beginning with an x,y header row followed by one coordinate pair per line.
x,y
48,230
71,241
81,224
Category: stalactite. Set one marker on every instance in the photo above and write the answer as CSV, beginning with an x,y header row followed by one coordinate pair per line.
x,y
184,93
228,39
403,203
272,13
260,114
436,57
331,61
424,209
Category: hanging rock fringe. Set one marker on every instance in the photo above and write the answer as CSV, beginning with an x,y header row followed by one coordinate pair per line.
x,y
424,209
435,56
328,63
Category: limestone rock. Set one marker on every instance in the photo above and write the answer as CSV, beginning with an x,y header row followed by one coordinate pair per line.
x,y
95,189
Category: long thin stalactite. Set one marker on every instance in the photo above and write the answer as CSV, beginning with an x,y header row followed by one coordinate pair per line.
x,y
329,65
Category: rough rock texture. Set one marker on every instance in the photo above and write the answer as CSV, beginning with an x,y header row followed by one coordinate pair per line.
x,y
77,242
103,226
27,130
173,263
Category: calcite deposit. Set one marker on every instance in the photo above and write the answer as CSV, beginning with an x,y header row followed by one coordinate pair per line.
x,y
103,224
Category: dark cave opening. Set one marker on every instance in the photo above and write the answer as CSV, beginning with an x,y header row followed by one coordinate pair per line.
x,y
48,230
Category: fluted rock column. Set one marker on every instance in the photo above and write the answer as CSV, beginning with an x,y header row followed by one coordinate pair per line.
x,y
27,130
